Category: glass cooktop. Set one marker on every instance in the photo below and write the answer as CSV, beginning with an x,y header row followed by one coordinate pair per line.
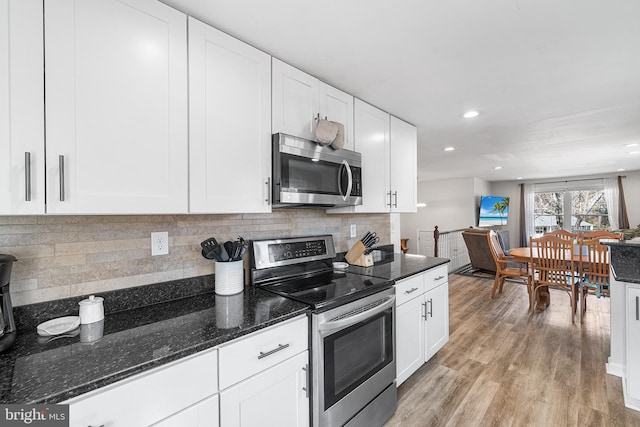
x,y
324,291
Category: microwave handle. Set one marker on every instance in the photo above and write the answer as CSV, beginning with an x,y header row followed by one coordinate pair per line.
x,y
346,167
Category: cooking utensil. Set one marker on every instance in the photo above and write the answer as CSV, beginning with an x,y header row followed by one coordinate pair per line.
x,y
209,248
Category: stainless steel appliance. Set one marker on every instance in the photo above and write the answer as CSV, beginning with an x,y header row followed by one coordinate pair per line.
x,y
305,173
7,323
352,328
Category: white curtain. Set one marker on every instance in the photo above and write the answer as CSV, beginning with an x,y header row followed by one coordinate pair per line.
x,y
612,197
529,203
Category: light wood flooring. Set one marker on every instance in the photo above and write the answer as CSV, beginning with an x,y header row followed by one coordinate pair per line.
x,y
503,367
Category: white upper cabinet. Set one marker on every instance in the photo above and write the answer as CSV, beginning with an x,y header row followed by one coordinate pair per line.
x,y
229,123
389,161
372,141
403,159
299,99
21,108
116,107
295,101
337,106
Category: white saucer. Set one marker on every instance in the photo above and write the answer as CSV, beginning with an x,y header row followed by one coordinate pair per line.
x,y
58,326
340,265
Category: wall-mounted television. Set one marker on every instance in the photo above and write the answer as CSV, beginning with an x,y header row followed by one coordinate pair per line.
x,y
494,211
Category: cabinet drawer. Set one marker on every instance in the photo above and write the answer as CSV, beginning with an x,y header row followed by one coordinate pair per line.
x,y
249,355
164,391
435,277
409,288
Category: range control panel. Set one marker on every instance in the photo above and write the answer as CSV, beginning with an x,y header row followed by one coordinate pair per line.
x,y
291,250
286,251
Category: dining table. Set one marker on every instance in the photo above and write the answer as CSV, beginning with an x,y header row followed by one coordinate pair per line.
x,y
524,255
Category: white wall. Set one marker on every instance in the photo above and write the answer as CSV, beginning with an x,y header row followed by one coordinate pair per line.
x,y
450,204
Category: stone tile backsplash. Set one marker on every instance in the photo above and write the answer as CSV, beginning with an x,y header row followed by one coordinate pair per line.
x,y
68,256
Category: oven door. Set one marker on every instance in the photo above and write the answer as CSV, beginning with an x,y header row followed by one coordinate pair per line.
x,y
353,357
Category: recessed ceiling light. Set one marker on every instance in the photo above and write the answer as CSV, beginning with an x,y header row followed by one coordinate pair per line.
x,y
449,149
633,144
519,177
621,170
421,205
470,114
497,167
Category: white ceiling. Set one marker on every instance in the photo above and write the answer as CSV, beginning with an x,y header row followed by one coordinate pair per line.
x,y
557,82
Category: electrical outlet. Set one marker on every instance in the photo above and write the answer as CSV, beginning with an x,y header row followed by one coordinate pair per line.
x,y
353,233
160,243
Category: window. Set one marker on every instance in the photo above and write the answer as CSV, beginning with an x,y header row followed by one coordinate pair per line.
x,y
582,209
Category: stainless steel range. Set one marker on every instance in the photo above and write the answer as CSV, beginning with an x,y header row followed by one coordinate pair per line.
x,y
352,328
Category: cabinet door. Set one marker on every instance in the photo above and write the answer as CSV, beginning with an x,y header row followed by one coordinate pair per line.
x,y
403,164
633,344
437,319
409,338
203,414
372,141
21,108
275,397
337,106
229,123
116,91
295,101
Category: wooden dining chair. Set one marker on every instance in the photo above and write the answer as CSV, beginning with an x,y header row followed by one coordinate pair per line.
x,y
506,266
553,266
594,268
601,234
563,234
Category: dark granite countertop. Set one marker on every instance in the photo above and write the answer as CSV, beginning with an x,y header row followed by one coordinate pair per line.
x,y
399,266
625,260
51,370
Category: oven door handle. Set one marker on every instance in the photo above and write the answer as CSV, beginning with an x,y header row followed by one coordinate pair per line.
x,y
357,316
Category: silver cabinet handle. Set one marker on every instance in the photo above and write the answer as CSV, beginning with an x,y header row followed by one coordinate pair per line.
x,y
27,176
268,199
410,291
430,307
275,350
637,308
389,194
424,311
395,199
438,278
305,368
61,171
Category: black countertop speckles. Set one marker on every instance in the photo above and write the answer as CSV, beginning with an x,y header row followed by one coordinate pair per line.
x,y
625,260
399,266
44,370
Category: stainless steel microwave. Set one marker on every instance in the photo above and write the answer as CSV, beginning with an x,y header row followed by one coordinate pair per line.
x,y
308,174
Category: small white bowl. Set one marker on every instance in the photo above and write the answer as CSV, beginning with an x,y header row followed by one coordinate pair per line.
x,y
340,265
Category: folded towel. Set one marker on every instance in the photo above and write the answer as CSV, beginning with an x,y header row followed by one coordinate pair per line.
x,y
326,132
338,142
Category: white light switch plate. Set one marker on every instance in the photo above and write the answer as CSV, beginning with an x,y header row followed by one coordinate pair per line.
x,y
352,231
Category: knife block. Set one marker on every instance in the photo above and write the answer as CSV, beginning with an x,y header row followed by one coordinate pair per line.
x,y
355,252
364,260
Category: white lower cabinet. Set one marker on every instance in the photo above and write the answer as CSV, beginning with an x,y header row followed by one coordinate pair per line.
x,y
633,347
203,414
264,378
152,396
275,397
422,320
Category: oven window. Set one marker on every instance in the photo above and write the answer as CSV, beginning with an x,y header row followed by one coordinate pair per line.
x,y
355,354
302,175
